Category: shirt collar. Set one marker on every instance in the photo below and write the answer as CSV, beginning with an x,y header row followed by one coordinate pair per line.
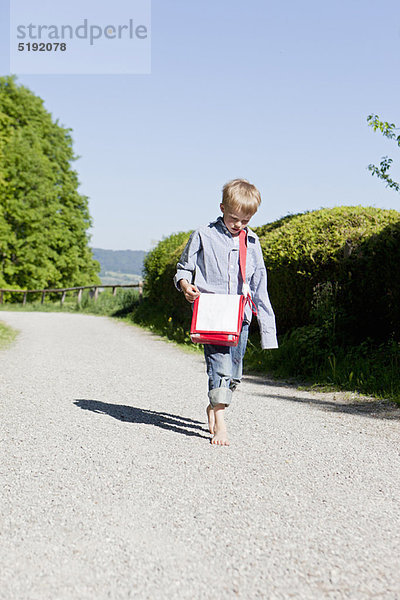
x,y
219,222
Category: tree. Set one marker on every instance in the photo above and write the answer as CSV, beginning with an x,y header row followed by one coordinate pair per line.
x,y
388,130
43,218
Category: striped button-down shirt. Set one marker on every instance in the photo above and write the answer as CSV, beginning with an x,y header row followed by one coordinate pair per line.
x,y
210,261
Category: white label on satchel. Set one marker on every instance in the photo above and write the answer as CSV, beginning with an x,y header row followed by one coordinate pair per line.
x,y
218,312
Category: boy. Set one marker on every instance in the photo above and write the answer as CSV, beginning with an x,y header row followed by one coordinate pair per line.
x,y
210,263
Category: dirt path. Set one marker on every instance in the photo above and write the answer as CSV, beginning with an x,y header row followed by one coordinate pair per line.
x,y
111,490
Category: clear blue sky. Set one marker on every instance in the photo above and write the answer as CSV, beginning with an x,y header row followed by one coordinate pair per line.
x,y
277,93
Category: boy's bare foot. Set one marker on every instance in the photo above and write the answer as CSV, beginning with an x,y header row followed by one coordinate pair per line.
x,y
220,437
211,418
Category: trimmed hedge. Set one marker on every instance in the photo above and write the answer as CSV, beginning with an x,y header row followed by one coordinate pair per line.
x,y
163,307
355,247
344,259
372,293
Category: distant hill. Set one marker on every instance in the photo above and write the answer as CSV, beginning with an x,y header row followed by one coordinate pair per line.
x,y
112,278
119,261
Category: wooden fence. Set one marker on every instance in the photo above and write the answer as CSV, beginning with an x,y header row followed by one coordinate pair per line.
x,y
79,289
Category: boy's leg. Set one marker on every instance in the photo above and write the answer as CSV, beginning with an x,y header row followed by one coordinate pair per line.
x,y
237,354
224,369
220,437
219,370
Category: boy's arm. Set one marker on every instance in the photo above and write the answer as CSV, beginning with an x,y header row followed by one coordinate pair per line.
x,y
186,268
265,313
190,291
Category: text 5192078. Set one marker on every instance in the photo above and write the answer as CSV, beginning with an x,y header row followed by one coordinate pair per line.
x,y
42,47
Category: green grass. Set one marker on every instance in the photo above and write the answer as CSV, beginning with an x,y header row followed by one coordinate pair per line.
x,y
106,304
7,335
369,368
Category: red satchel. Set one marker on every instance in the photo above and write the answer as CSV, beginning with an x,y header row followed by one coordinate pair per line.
x,y
218,318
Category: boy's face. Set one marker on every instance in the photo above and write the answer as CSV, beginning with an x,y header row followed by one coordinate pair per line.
x,y
234,220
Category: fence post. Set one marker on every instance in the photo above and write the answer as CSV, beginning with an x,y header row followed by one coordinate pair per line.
x,y
24,299
96,293
43,295
114,291
140,291
80,296
1,296
63,297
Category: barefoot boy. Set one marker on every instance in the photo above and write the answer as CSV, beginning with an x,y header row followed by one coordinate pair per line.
x,y
210,263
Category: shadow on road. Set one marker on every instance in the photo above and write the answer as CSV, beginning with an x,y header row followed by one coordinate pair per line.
x,y
378,409
132,414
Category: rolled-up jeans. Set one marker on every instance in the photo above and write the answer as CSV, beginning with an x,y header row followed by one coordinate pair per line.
x,y
224,368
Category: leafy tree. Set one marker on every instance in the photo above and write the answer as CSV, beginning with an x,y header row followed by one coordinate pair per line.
x,y
388,130
43,218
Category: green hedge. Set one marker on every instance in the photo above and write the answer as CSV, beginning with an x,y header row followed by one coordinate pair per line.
x,y
353,247
164,309
343,260
373,291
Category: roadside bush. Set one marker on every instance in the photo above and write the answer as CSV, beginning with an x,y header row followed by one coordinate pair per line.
x,y
119,305
352,247
372,291
158,260
164,309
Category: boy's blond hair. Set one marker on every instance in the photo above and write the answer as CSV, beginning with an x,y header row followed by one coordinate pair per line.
x,y
242,196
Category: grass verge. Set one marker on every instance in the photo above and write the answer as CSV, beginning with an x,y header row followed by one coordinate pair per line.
x,y
368,368
7,335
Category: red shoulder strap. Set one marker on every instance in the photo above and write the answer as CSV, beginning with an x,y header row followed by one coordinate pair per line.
x,y
243,253
242,262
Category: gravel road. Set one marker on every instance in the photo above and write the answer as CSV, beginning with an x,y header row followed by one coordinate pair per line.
x,y
110,488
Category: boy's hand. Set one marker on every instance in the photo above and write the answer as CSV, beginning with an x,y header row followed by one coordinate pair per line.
x,y
189,290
